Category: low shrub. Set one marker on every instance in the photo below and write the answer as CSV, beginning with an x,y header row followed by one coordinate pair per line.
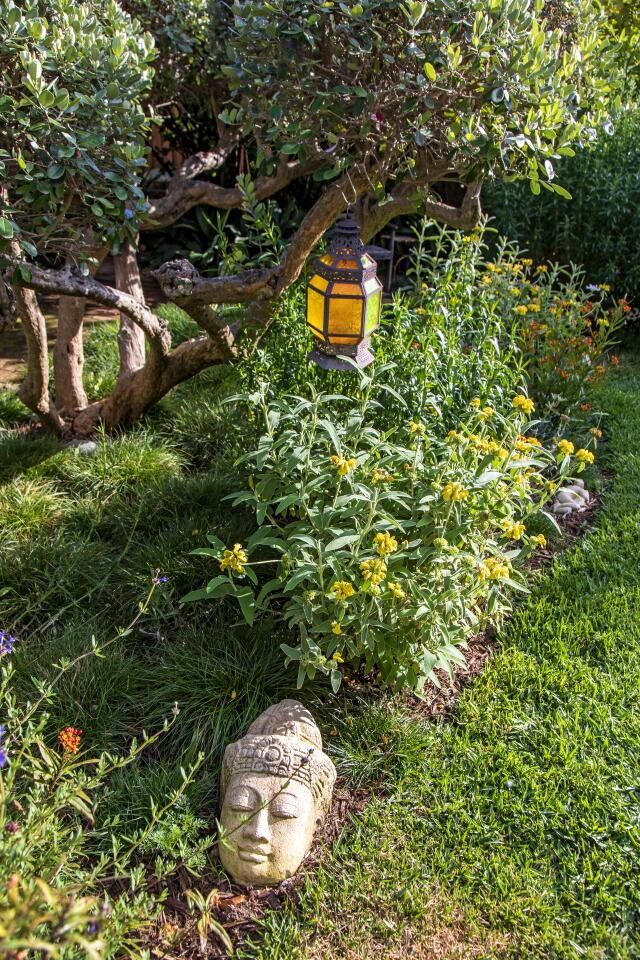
x,y
399,504
392,547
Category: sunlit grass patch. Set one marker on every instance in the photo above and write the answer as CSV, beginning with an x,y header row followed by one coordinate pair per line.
x,y
28,506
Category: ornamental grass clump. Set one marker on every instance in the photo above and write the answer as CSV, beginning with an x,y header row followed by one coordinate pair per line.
x,y
388,566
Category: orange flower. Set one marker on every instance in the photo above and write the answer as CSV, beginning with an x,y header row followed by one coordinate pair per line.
x,y
70,739
625,305
585,407
615,360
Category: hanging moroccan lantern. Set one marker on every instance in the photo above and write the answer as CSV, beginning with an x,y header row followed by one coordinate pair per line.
x,y
344,298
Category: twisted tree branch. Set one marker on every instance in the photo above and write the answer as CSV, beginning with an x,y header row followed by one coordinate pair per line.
x,y
185,193
70,282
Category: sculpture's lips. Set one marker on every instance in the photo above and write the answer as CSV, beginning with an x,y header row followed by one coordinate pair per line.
x,y
252,856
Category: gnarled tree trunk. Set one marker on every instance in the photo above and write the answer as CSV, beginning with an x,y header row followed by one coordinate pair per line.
x,y
68,356
34,390
130,336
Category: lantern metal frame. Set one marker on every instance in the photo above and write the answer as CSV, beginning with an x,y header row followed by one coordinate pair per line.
x,y
345,244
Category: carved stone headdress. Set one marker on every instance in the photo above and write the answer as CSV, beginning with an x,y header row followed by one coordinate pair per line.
x,y
283,742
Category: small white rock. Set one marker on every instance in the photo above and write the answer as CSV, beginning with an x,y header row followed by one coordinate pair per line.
x,y
87,448
572,498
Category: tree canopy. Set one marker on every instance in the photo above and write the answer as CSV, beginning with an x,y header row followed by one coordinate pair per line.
x,y
376,103
73,128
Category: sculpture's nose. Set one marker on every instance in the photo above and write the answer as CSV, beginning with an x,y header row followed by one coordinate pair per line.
x,y
257,826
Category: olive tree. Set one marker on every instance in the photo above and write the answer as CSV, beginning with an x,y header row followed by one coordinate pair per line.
x,y
379,103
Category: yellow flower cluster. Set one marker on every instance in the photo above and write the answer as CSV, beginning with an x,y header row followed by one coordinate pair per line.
x,y
381,476
493,569
566,447
488,446
596,432
525,443
385,543
486,412
336,628
513,530
374,571
416,427
540,540
234,560
523,403
586,456
396,590
475,402
337,657
342,590
343,466
454,491
521,309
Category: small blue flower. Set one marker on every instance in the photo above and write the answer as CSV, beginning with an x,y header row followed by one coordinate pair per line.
x,y
160,579
592,287
3,752
6,643
129,214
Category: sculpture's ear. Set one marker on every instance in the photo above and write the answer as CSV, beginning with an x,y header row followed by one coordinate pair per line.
x,y
228,763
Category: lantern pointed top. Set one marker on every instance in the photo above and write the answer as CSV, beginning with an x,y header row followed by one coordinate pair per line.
x,y
345,236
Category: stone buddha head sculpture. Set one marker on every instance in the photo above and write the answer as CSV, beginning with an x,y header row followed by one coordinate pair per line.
x,y
276,788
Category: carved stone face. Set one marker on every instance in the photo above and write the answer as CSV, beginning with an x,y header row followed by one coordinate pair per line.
x,y
270,823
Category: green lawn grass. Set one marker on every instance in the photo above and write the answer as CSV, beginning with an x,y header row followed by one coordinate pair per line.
x,y
511,830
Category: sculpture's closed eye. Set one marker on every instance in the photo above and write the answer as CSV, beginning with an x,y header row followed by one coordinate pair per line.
x,y
243,802
285,807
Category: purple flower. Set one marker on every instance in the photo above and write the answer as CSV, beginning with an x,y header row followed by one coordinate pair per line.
x,y
592,287
160,579
12,826
6,643
3,752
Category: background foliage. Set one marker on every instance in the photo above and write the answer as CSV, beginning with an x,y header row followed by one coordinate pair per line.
x,y
597,228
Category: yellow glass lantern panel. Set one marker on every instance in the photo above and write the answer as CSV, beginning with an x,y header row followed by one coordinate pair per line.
x,y
345,303
372,318
319,282
315,310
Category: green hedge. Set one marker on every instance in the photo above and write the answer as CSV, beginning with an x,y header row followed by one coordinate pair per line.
x,y
598,228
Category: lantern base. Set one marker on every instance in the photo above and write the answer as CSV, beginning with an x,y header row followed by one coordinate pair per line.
x,y
329,356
